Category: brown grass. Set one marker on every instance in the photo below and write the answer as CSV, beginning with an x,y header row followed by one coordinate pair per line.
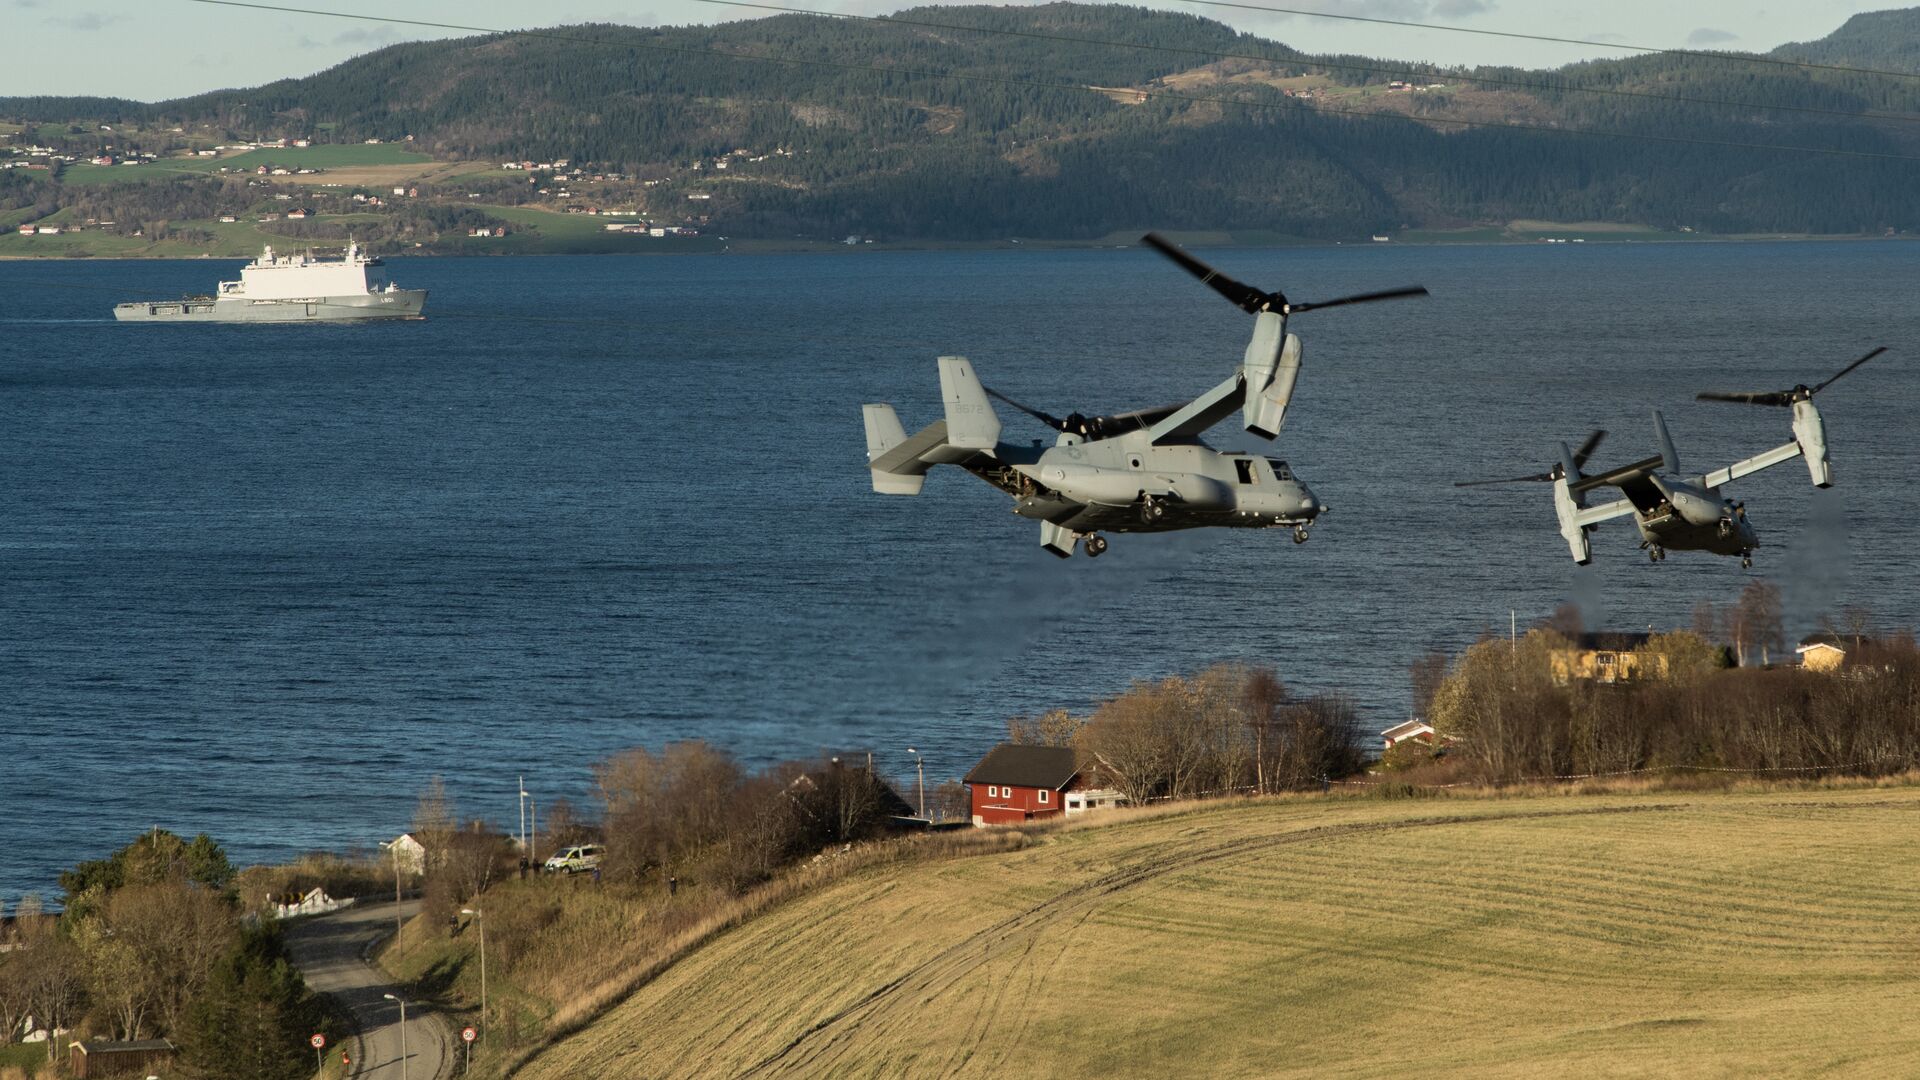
x,y
1649,929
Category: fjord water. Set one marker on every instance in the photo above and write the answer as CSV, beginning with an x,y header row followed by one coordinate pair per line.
x,y
265,581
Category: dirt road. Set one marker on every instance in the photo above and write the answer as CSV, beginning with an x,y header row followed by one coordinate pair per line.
x,y
331,952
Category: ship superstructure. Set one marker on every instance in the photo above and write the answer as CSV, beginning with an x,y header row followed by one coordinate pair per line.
x,y
293,288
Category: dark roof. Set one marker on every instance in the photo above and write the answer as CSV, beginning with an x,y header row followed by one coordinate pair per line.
x,y
1613,642
1027,766
108,1046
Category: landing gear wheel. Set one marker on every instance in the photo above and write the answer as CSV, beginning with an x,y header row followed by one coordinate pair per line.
x,y
1096,546
1746,562
1656,553
1151,512
1300,534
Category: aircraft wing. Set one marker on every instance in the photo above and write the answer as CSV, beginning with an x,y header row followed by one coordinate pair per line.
x,y
1620,477
1201,413
1767,460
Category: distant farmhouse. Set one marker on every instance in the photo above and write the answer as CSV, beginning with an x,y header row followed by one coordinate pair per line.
x,y
1015,783
1411,731
1822,652
1607,658
408,854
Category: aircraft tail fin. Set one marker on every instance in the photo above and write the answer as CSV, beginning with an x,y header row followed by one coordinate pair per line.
x,y
894,473
971,421
1669,457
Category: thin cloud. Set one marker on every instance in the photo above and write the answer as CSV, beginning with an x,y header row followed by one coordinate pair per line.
x,y
1460,9
86,22
1707,35
383,34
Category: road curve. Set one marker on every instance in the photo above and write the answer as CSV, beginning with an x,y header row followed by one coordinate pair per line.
x,y
331,951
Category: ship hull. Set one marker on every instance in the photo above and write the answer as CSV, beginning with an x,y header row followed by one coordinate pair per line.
x,y
387,304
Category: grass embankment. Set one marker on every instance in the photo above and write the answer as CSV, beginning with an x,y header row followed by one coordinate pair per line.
x,y
1647,933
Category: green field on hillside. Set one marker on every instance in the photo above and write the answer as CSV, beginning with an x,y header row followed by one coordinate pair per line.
x,y
326,156
1656,934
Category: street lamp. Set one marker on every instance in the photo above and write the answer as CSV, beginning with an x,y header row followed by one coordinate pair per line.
x,y
403,1033
920,766
482,917
393,846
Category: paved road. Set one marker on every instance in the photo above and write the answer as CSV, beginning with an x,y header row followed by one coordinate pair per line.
x,y
330,951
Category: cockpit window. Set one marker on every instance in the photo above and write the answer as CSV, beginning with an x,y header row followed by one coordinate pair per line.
x,y
1245,466
1280,470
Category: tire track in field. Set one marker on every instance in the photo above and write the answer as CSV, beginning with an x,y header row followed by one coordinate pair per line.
x,y
894,1003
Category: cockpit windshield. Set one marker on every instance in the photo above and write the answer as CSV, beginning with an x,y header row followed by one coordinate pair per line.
x,y
1280,470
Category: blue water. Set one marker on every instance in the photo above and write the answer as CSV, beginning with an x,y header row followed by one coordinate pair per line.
x,y
264,581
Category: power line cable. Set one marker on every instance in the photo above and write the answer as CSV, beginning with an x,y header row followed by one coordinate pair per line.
x,y
1003,80
1744,58
1311,62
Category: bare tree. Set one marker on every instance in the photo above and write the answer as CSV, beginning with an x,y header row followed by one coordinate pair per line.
x,y
1055,727
55,980
1760,618
1426,674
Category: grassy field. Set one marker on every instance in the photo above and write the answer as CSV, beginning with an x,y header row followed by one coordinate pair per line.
x,y
347,165
1651,934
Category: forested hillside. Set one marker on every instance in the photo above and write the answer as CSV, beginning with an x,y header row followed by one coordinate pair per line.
x,y
1074,121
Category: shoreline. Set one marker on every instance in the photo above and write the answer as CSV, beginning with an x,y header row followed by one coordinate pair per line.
x,y
778,247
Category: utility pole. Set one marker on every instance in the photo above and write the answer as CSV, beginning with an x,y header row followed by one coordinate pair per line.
x,y
480,917
523,818
920,767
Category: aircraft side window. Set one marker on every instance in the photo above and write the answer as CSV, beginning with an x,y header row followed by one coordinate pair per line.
x,y
1280,470
1245,469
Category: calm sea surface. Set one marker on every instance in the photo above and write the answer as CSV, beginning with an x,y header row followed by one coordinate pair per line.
x,y
264,581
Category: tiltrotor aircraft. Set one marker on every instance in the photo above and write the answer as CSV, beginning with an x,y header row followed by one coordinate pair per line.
x,y
1142,471
1679,512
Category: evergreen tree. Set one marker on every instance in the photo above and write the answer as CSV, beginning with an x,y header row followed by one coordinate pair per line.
x,y
253,1019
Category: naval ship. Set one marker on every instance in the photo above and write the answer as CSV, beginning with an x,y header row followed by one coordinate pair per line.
x,y
292,288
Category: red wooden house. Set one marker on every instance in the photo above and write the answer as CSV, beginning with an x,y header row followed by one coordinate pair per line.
x,y
1021,783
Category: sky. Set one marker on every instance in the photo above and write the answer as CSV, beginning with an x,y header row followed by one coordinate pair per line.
x,y
152,50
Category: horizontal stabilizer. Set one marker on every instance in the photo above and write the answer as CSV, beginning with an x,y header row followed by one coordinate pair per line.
x,y
906,457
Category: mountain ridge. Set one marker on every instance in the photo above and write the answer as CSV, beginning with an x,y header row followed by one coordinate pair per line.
x,y
985,126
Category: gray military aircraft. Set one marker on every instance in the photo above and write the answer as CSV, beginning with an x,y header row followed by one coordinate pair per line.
x,y
1141,471
1679,512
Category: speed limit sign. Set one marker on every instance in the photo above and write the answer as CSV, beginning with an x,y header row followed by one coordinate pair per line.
x,y
467,1034
318,1041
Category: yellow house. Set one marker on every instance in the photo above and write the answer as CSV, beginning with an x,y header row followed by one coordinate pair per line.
x,y
1821,652
1607,658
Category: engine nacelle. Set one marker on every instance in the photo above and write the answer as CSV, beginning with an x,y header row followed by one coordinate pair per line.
x,y
1810,431
1567,508
1271,367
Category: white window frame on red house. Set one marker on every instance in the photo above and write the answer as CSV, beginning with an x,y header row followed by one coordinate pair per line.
x,y
1043,796
993,791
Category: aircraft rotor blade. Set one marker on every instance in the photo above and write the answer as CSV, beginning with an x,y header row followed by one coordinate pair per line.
x,y
1549,475
1770,397
1788,397
1361,298
1849,367
1587,448
1053,422
1246,297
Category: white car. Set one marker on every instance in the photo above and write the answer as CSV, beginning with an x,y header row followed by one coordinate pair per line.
x,y
575,860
